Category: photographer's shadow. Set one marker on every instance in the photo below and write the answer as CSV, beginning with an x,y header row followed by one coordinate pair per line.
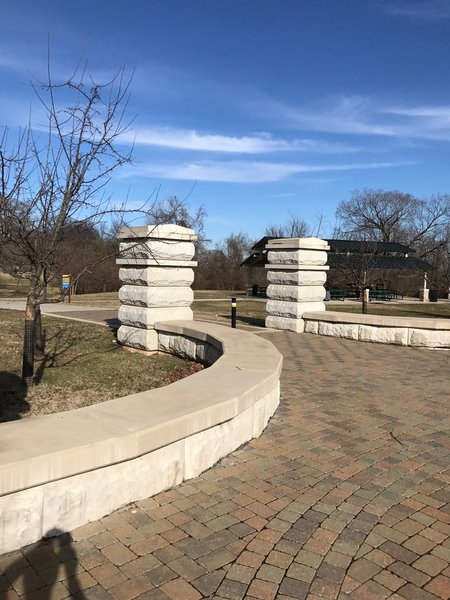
x,y
13,397
44,566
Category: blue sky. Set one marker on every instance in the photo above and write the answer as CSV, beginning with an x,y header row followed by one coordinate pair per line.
x,y
255,108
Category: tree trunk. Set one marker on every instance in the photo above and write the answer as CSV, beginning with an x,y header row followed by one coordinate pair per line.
x,y
39,335
29,343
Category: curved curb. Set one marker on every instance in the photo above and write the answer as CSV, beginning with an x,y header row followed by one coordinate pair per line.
x,y
66,469
400,331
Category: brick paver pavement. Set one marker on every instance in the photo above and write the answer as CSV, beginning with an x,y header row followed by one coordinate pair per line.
x,y
345,495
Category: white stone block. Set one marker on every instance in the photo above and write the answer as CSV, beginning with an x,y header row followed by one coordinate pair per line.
x,y
272,401
160,470
297,257
311,326
294,293
178,344
136,316
76,500
202,352
157,297
207,354
157,249
427,338
285,323
21,519
291,277
157,276
136,337
259,418
309,243
204,449
340,330
166,231
384,335
151,262
292,309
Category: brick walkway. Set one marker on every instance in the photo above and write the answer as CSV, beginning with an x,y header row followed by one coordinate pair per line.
x,y
344,495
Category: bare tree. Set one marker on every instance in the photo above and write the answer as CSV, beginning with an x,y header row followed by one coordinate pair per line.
x,y
229,256
376,214
392,216
176,211
50,180
295,227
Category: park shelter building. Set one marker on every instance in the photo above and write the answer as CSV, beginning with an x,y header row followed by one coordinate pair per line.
x,y
387,265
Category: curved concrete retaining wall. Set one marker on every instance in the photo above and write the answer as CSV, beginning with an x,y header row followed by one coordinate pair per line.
x,y
66,469
403,331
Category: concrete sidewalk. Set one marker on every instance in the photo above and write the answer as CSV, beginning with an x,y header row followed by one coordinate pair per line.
x,y
345,495
89,314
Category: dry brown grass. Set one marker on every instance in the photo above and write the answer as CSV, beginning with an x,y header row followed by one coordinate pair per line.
x,y
423,310
253,312
82,365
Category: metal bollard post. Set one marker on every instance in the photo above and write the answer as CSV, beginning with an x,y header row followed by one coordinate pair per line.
x,y
233,313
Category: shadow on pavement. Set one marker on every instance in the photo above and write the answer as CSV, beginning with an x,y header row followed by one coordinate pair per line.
x,y
41,568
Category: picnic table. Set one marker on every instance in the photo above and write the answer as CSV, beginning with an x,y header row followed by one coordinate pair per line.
x,y
343,293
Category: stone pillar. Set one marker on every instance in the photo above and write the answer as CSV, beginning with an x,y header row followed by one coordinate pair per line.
x,y
297,272
424,295
156,271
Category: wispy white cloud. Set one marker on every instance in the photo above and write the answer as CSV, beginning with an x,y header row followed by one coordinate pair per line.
x,y
435,112
419,122
245,171
347,115
363,116
248,144
428,10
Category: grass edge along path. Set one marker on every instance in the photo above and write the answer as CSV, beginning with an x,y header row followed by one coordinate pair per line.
x,y
83,365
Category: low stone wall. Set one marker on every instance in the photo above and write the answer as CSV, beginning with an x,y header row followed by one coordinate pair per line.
x,y
66,469
402,331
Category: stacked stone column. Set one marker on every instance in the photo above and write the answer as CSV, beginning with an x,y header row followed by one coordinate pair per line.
x,y
296,274
156,271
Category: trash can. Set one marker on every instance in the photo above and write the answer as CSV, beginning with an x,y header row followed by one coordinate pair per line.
x,y
433,295
255,288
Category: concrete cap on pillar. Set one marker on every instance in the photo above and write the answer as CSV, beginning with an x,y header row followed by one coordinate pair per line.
x,y
165,232
310,243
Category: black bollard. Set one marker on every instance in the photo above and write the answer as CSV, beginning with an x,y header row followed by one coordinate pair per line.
x,y
233,313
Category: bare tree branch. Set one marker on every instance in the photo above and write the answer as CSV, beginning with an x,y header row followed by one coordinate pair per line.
x,y
53,179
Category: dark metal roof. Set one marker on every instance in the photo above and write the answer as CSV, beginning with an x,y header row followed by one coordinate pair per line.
x,y
355,261
257,259
353,254
359,246
261,244
364,247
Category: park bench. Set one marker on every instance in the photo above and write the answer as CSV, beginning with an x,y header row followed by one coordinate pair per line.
x,y
385,295
342,294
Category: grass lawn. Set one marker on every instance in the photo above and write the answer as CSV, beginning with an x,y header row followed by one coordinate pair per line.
x,y
103,300
211,294
248,312
111,299
10,287
83,365
428,310
253,312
